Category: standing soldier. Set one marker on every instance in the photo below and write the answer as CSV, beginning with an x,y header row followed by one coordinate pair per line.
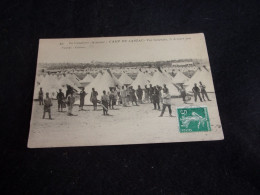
x,y
196,92
117,92
132,96
104,101
112,98
183,94
203,91
40,97
93,98
82,95
151,92
123,96
156,98
70,101
47,106
165,88
60,98
139,93
146,94
166,102
128,98
160,93
69,89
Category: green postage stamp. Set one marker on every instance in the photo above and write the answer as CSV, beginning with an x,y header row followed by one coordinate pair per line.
x,y
193,119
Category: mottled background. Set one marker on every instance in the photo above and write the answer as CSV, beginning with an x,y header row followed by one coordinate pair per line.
x,y
221,167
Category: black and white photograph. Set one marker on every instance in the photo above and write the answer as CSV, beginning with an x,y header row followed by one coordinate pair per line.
x,y
129,97
122,90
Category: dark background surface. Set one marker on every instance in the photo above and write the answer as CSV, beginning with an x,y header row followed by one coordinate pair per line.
x,y
218,167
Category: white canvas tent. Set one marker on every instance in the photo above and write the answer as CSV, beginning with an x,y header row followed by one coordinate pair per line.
x,y
179,78
48,84
74,79
101,83
125,79
39,79
87,79
160,79
64,81
201,75
141,80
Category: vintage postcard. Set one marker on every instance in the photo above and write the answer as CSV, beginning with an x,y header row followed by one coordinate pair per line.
x,y
123,90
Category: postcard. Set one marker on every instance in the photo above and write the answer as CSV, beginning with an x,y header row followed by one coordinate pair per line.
x,y
123,90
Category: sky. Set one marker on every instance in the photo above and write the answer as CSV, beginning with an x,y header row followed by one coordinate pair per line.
x,y
123,49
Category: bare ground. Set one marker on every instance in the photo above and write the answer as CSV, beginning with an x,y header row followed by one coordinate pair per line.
x,y
124,125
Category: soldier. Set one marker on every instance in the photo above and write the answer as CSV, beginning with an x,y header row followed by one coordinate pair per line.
x,y
196,92
156,98
93,98
128,97
139,93
146,94
183,94
82,95
166,102
60,98
47,106
203,91
112,98
165,88
104,101
40,97
117,92
70,102
151,89
132,96
123,96
160,93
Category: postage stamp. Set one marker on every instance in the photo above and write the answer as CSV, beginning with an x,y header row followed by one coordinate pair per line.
x,y
193,119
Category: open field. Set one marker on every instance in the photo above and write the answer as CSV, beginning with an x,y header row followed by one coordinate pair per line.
x,y
124,125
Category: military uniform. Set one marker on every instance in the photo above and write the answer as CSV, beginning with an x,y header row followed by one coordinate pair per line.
x,y
40,96
82,95
47,107
196,92
203,92
60,98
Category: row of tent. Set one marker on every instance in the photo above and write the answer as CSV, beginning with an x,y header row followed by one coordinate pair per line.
x,y
107,80
52,84
134,70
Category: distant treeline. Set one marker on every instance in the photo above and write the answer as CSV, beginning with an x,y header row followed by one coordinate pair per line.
x,y
94,65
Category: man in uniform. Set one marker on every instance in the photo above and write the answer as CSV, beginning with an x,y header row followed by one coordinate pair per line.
x,y
151,90
40,97
165,88
156,98
82,95
47,106
60,98
139,93
93,98
112,98
203,91
183,94
132,96
146,94
105,101
70,102
196,92
123,96
166,102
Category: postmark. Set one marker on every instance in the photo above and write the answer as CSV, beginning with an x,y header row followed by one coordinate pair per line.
x,y
193,119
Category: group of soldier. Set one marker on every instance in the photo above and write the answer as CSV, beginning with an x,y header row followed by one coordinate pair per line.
x,y
126,96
